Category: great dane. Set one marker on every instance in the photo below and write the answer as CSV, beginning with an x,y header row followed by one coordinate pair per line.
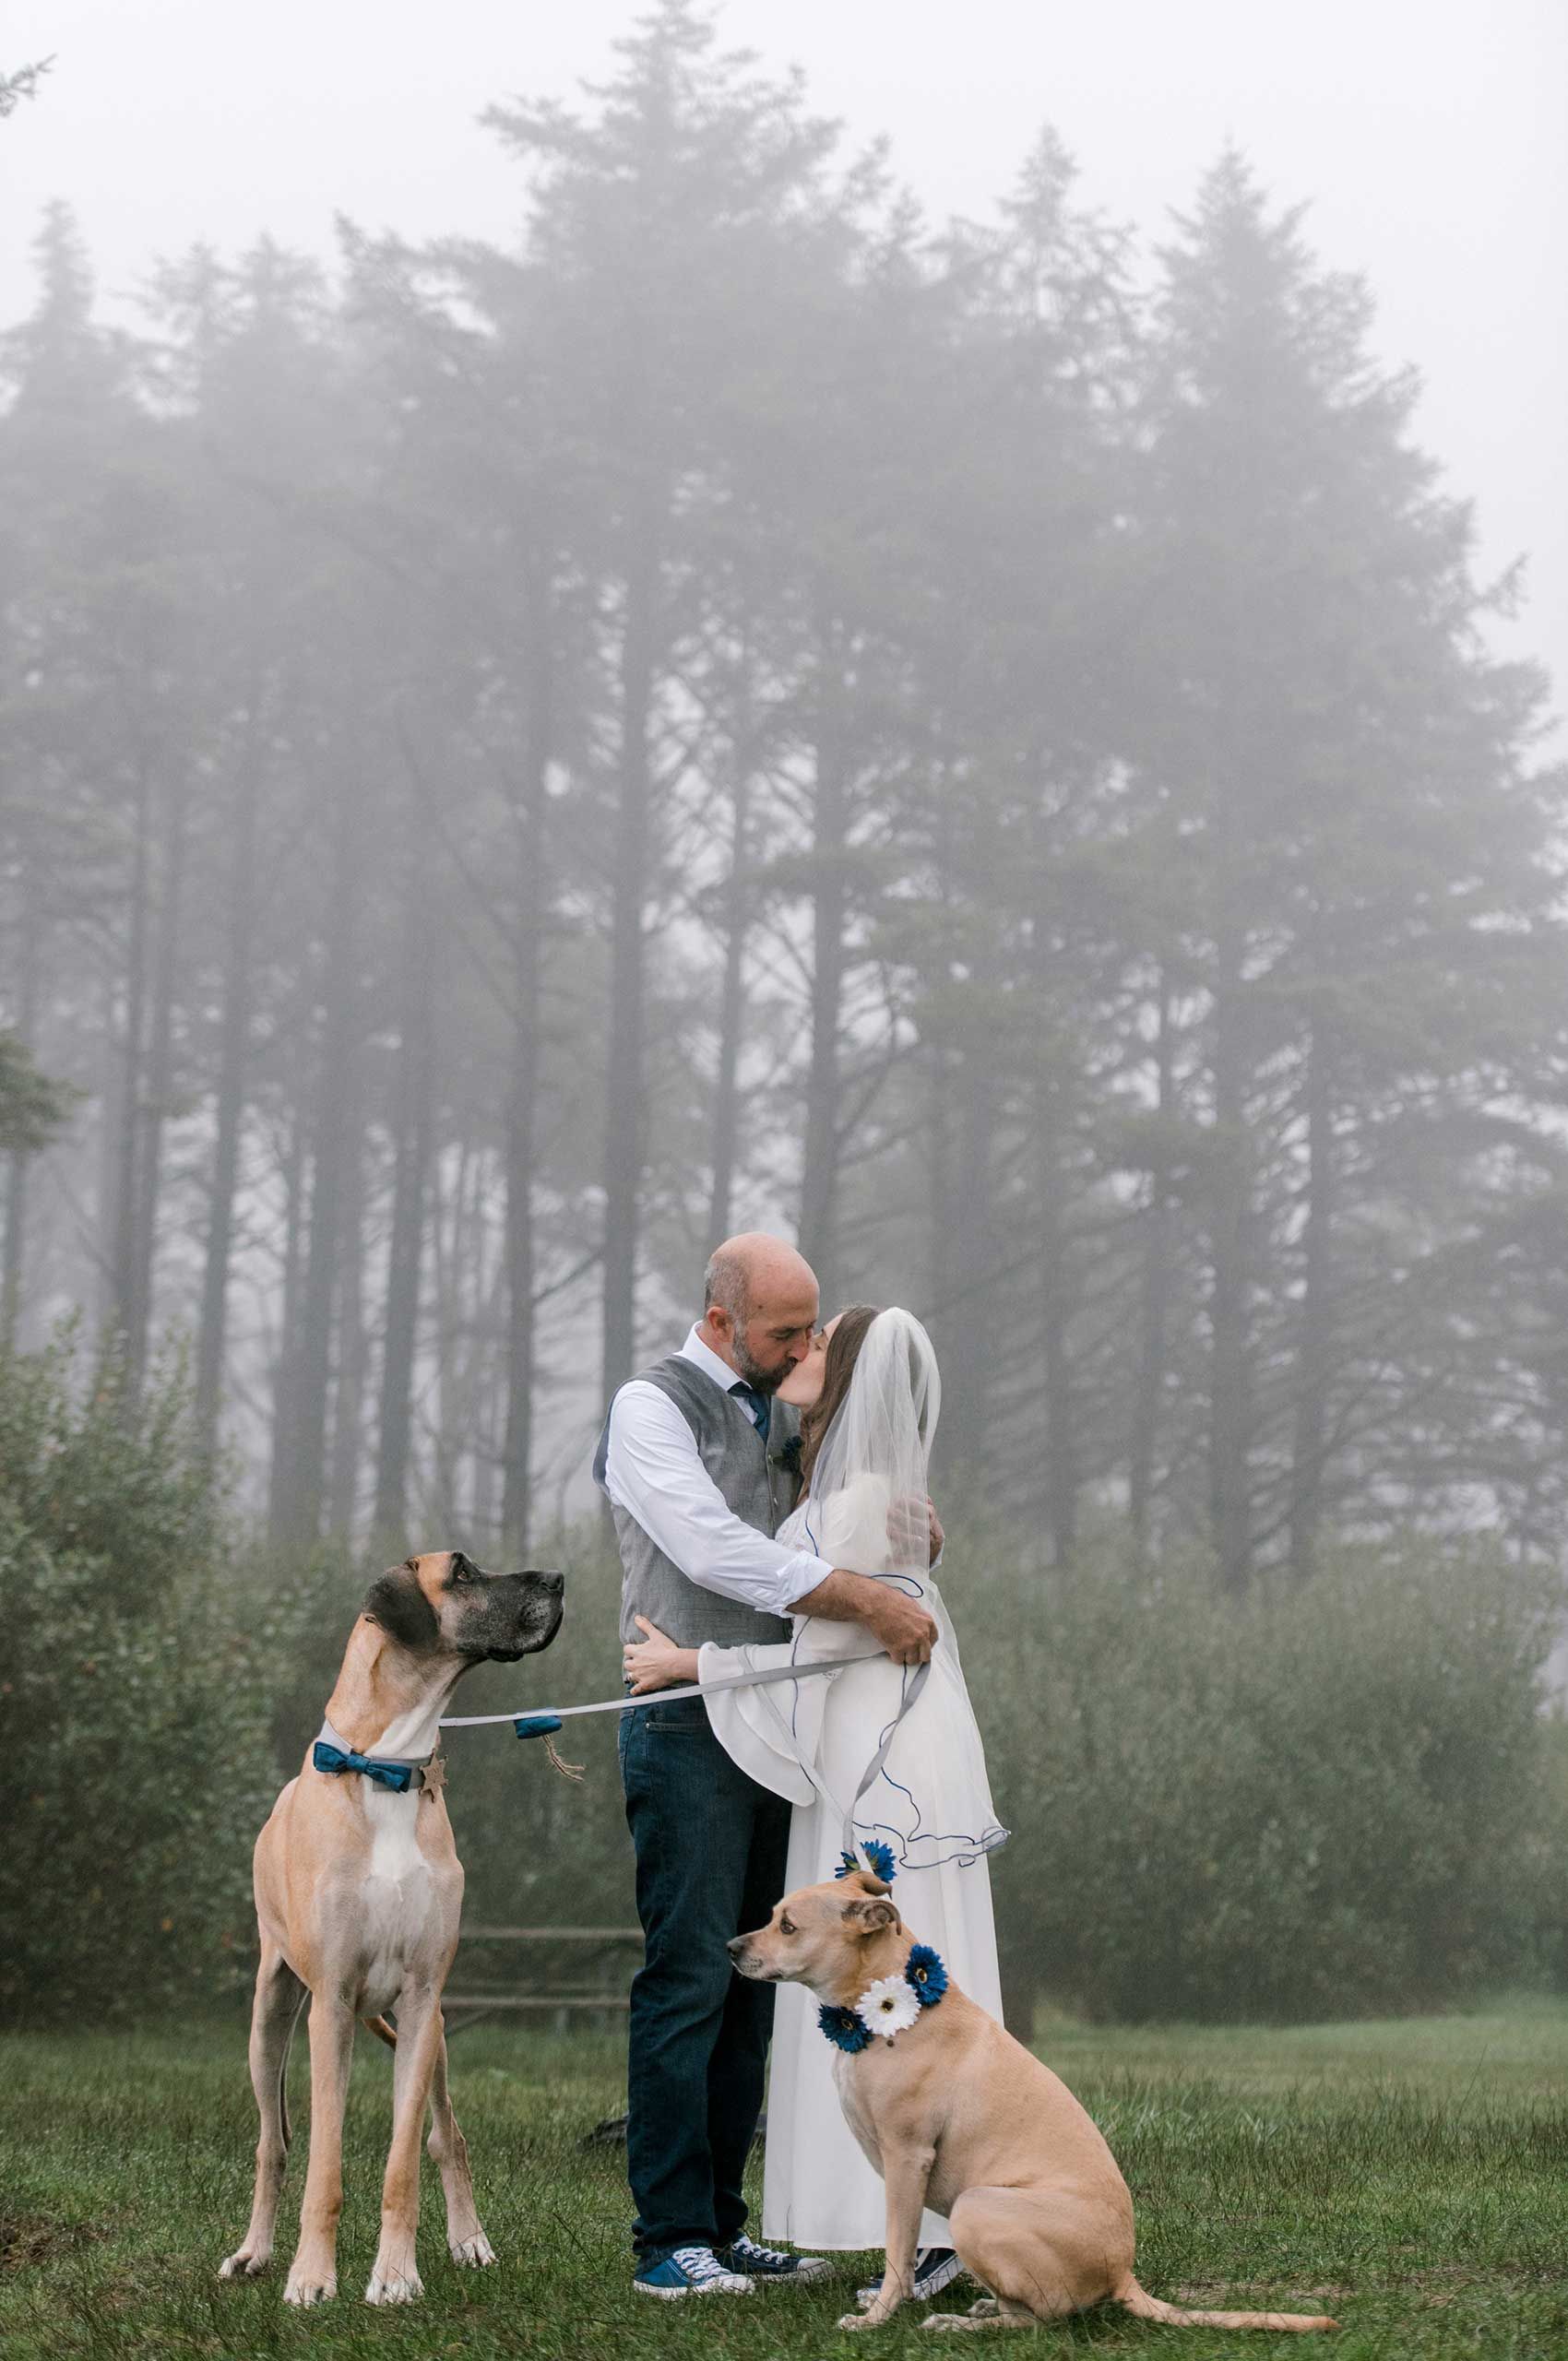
x,y
358,1890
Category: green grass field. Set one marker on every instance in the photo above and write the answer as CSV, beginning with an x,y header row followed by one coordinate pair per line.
x,y
1410,2177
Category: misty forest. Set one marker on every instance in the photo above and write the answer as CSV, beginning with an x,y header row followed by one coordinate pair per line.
x,y
978,747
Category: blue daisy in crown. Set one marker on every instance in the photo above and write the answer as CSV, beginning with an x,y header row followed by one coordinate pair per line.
x,y
879,1859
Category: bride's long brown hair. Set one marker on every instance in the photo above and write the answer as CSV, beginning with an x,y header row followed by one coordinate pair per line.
x,y
843,1352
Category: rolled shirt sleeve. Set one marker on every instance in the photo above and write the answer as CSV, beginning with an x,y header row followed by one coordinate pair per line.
x,y
654,1471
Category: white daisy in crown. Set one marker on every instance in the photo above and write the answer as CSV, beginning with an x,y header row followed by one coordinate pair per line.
x,y
887,2006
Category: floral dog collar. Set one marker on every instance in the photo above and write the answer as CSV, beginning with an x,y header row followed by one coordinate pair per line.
x,y
889,2006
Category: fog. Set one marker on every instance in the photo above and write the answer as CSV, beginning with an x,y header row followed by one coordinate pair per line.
x,y
584,694
1428,142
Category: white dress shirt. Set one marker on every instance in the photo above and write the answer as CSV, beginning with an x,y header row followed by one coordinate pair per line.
x,y
653,1470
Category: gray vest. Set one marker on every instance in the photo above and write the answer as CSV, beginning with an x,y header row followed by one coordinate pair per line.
x,y
752,1479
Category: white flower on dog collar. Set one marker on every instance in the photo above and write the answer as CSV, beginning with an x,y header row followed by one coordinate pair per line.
x,y
887,2006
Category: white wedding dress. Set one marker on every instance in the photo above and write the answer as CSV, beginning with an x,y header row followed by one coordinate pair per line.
x,y
811,1741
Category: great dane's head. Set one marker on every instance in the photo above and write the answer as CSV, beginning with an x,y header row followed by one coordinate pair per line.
x,y
442,1604
818,1935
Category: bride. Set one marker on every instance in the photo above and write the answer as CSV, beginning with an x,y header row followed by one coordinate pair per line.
x,y
869,1392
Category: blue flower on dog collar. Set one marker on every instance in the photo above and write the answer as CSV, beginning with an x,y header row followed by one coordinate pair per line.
x,y
880,1857
924,1971
844,2029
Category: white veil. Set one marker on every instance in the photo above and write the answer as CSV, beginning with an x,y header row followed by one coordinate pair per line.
x,y
872,1473
923,1792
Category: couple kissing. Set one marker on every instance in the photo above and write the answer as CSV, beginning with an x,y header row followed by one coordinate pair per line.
x,y
770,1486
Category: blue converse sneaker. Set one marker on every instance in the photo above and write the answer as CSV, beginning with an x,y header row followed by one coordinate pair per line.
x,y
768,2262
935,2268
690,2271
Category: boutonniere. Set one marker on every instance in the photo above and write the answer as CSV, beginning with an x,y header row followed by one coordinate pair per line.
x,y
789,1457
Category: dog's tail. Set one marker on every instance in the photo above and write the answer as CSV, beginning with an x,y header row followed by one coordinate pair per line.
x,y
383,2031
1144,2307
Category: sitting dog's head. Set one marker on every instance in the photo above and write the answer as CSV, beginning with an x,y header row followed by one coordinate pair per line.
x,y
442,1604
817,1935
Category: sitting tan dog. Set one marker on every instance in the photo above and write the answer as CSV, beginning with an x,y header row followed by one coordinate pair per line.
x,y
358,1890
957,2115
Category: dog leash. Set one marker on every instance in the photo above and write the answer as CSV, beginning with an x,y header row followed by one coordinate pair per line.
x,y
549,1718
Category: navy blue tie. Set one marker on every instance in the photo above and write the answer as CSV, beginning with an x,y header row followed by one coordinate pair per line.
x,y
760,1404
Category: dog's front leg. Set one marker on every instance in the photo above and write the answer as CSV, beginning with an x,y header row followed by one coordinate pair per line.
x,y
395,2279
313,2276
905,2171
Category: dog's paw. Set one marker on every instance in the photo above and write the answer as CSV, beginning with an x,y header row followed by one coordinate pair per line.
x,y
947,2319
305,2291
394,2286
858,2319
473,2253
244,2265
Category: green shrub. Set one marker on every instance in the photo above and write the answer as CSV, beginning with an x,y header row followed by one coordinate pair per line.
x,y
1318,1800
133,1712
1315,1801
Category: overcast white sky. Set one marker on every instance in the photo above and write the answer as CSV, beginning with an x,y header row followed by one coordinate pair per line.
x,y
1427,135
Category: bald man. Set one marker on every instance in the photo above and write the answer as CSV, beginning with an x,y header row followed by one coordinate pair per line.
x,y
695,1461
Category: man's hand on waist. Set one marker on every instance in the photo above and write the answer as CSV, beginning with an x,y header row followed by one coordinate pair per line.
x,y
899,1625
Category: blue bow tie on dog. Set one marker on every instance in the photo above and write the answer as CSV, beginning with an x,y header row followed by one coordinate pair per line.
x,y
334,1759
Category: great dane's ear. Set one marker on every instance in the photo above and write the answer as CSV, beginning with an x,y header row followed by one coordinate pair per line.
x,y
870,1917
396,1601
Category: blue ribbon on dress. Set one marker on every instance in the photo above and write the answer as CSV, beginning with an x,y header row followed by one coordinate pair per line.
x,y
335,1759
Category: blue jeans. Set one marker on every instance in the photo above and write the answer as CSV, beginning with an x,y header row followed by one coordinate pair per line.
x,y
711,1850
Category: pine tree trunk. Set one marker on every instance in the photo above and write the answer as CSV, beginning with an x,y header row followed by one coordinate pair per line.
x,y
159,1071
128,1145
282,1480
347,1399
731,1018
1314,1335
974,1281
624,1125
533,907
233,1057
413,1137
945,1165
450,1404
29,995
1155,1290
1230,1407
819,1177
111,1098
331,1133
1055,1273
1061,1445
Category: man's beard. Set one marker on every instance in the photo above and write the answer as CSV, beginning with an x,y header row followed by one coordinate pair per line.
x,y
764,1380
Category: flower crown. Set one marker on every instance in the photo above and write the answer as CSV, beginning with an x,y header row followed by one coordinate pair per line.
x,y
878,1855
